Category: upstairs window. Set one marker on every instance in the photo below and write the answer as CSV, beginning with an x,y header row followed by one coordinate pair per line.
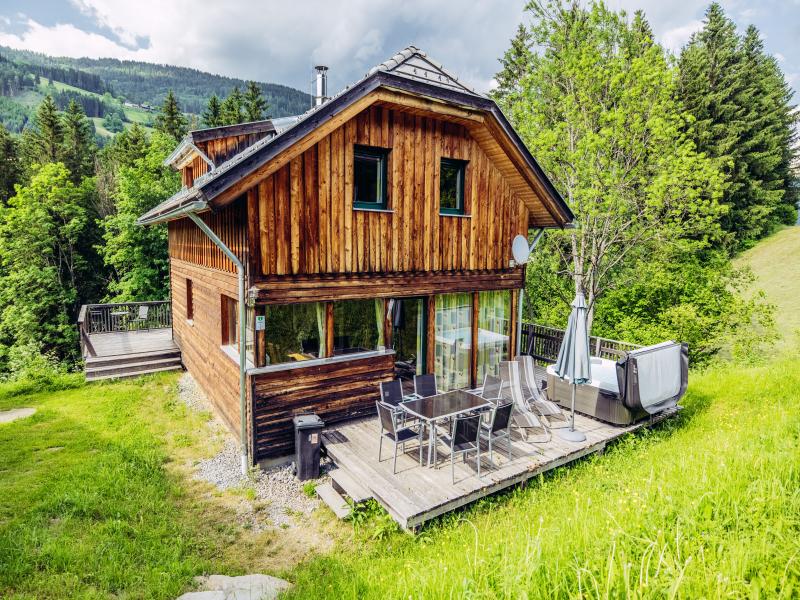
x,y
451,186
369,178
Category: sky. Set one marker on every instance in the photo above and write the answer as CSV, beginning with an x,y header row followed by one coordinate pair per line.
x,y
280,42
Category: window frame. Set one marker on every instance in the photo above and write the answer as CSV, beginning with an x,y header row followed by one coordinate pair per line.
x,y
381,154
189,300
461,165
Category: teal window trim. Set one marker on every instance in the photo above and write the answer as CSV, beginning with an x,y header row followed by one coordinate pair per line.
x,y
371,153
461,166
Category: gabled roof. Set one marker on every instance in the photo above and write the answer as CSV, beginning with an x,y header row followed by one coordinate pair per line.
x,y
187,148
410,71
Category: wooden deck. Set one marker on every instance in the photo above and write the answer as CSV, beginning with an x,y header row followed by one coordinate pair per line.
x,y
128,353
417,494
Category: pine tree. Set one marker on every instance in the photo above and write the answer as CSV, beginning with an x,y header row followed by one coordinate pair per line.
x,y
212,115
9,165
232,108
79,148
255,106
170,119
43,142
515,62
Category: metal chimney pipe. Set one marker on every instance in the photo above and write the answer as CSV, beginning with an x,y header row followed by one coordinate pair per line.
x,y
321,95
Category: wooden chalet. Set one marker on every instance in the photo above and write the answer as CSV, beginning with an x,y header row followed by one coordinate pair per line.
x,y
366,239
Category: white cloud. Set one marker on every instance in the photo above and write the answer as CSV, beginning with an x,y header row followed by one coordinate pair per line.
x,y
674,39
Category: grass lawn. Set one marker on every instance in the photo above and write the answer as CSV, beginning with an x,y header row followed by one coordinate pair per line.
x,y
96,501
775,263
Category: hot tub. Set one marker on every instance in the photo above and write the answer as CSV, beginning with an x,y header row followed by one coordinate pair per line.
x,y
641,383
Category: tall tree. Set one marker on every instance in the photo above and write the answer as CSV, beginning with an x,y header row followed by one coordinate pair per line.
x,y
515,62
9,165
596,107
170,119
43,232
740,104
212,115
255,106
232,108
138,255
42,143
79,147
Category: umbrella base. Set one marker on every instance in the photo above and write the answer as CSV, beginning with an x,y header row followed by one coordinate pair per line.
x,y
571,435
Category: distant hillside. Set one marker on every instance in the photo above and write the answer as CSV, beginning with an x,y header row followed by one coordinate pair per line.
x,y
106,85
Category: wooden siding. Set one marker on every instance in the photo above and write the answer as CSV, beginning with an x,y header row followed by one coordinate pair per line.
x,y
307,223
189,244
335,391
328,287
200,339
221,149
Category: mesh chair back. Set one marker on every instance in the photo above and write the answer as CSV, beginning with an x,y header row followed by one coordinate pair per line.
x,y
425,385
492,387
392,392
387,420
466,430
143,310
502,416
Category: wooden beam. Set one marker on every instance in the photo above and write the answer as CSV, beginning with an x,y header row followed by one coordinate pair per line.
x,y
473,371
328,329
430,341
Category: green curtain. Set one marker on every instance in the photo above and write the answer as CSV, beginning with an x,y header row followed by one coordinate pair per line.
x,y
379,319
453,340
494,327
320,306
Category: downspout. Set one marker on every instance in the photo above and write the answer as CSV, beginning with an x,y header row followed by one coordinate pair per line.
x,y
242,333
533,245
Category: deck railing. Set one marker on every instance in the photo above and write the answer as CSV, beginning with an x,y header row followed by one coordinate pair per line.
x,y
121,317
543,343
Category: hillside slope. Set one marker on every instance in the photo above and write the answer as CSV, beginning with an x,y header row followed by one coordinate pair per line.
x,y
146,83
776,264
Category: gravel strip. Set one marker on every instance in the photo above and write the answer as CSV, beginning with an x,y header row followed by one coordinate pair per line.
x,y
279,496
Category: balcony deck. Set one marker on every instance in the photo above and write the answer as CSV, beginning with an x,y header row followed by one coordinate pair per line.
x,y
417,494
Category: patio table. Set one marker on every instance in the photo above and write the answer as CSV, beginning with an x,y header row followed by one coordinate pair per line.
x,y
442,406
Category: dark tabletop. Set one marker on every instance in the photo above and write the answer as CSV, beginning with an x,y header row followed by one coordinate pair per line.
x,y
444,405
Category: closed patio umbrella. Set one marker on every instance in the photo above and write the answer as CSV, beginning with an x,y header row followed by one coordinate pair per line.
x,y
573,361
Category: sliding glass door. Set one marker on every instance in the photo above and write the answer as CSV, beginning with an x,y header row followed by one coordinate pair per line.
x,y
408,336
494,327
453,338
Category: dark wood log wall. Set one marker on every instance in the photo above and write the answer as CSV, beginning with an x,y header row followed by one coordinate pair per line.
x,y
306,221
189,244
335,391
200,338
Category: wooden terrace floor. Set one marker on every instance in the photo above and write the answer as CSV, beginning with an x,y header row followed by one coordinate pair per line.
x,y
131,342
417,494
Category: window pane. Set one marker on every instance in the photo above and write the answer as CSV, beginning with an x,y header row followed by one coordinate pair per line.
x,y
369,175
451,185
453,331
494,322
357,326
293,332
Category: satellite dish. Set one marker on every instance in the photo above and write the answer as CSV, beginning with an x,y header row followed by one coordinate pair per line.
x,y
520,249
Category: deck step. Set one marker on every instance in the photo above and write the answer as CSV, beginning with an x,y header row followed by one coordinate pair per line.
x,y
344,481
90,377
107,361
132,368
334,500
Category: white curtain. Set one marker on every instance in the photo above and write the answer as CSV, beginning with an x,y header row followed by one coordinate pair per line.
x,y
453,338
321,326
494,326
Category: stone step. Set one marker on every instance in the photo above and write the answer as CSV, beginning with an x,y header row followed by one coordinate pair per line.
x,y
345,482
334,500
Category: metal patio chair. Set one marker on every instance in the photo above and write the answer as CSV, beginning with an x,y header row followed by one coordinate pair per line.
x,y
464,438
536,399
392,394
521,415
397,434
492,389
498,428
141,317
425,385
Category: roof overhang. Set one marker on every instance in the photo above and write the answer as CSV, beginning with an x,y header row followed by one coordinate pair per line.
x,y
230,179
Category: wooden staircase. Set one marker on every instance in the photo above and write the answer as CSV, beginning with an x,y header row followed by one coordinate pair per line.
x,y
131,365
343,485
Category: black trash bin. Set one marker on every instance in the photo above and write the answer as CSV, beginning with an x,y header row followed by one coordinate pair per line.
x,y
307,429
